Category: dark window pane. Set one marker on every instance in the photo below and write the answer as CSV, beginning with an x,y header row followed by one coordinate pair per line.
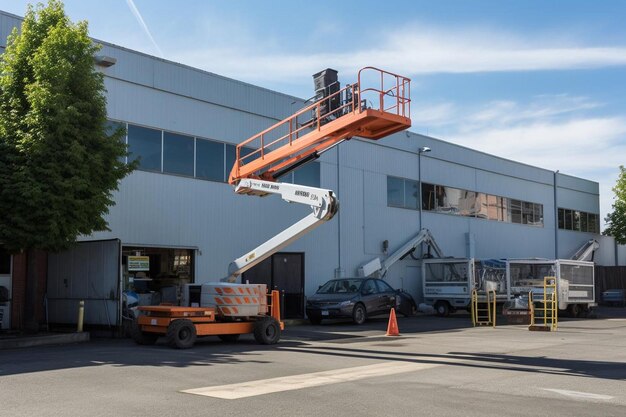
x,y
384,287
561,218
177,154
230,160
504,214
5,262
369,287
411,190
111,127
493,211
428,197
527,213
395,192
576,221
538,214
592,223
568,219
584,225
209,160
516,211
449,199
308,174
231,153
145,144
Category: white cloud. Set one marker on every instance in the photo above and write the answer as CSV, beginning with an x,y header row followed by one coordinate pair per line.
x,y
552,132
407,51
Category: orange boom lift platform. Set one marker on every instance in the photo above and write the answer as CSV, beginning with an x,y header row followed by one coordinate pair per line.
x,y
377,105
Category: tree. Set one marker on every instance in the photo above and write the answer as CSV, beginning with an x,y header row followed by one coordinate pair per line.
x,y
58,165
616,220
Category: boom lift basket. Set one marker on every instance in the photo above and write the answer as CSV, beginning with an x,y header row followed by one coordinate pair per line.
x,y
377,105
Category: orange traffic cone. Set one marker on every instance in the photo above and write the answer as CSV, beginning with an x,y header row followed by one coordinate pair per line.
x,y
392,327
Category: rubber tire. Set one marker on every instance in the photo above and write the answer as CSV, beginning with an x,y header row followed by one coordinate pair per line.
x,y
359,314
315,320
267,331
573,310
181,334
413,311
142,338
585,311
229,338
442,308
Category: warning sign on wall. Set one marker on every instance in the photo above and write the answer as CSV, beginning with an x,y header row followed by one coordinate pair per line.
x,y
138,263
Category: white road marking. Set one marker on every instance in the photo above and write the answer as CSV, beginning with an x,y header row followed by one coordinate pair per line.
x,y
577,394
315,379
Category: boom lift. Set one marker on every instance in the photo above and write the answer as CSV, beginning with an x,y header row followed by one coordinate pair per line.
x,y
378,269
364,109
377,105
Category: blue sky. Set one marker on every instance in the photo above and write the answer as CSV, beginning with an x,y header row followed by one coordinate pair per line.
x,y
540,82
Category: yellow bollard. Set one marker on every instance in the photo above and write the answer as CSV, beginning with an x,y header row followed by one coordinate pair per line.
x,y
81,315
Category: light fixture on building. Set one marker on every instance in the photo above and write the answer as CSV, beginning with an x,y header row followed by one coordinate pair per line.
x,y
104,60
423,149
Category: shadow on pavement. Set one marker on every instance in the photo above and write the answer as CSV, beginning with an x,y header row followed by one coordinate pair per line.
x,y
516,363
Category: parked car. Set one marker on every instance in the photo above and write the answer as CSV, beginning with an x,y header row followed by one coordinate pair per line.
x,y
357,298
614,296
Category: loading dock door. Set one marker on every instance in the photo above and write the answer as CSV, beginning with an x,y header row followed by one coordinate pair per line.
x,y
283,272
90,271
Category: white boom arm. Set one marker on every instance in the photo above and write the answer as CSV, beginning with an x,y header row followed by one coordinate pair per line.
x,y
586,251
323,203
379,269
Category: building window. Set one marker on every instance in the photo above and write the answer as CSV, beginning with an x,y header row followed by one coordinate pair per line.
x,y
395,192
402,193
568,219
516,211
411,193
145,145
452,200
177,154
579,221
209,160
428,197
173,153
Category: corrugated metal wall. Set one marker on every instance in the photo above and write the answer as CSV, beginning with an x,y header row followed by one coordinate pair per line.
x,y
166,210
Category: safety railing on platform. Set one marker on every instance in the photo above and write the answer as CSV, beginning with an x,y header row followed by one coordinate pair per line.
x,y
376,90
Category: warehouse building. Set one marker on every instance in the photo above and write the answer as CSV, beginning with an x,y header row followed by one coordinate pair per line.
x,y
177,220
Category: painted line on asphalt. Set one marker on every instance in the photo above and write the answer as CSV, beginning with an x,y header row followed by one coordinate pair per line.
x,y
581,395
315,379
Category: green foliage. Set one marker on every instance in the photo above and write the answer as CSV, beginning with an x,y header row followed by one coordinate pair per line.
x,y
616,220
58,166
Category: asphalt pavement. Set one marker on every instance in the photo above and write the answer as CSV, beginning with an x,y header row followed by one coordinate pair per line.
x,y
438,366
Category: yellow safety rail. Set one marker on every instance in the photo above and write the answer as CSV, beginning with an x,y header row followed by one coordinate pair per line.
x,y
548,313
483,308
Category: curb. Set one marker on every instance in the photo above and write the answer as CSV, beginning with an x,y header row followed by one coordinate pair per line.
x,y
45,340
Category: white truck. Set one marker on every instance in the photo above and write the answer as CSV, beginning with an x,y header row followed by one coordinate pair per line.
x,y
448,283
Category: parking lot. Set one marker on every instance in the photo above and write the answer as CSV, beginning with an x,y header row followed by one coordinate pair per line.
x,y
438,366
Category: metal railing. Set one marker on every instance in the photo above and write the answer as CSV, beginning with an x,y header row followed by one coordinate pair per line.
x,y
389,94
